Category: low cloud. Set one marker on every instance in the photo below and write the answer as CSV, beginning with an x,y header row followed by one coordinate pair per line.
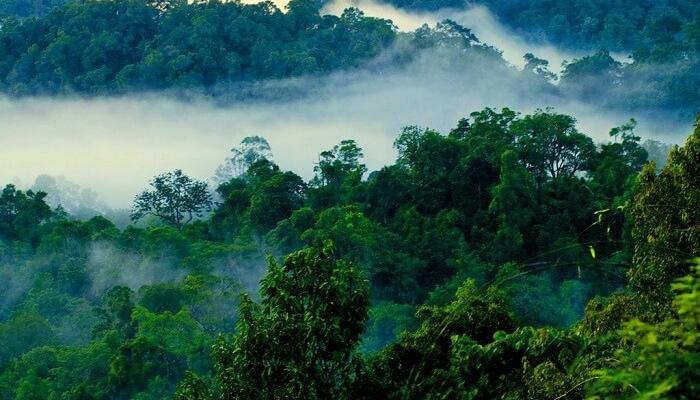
x,y
115,145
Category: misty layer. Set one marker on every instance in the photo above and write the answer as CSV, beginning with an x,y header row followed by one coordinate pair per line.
x,y
114,145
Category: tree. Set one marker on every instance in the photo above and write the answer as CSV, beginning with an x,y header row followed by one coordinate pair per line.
x,y
666,230
539,67
273,194
192,387
634,155
589,76
251,150
429,158
340,163
513,206
658,361
338,173
551,146
21,214
617,162
418,365
176,199
298,343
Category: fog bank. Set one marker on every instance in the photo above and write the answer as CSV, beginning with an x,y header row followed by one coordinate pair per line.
x,y
115,145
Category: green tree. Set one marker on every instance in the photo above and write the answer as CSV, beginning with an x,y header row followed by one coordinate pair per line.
x,y
513,206
21,214
192,387
666,229
176,199
274,194
429,158
619,161
538,67
313,301
338,173
418,365
251,150
657,361
551,147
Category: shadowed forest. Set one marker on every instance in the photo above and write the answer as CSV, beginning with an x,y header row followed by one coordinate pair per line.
x,y
530,250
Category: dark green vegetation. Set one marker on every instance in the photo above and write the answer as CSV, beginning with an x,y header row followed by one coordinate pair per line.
x,y
619,25
126,45
663,38
519,259
27,8
95,47
511,257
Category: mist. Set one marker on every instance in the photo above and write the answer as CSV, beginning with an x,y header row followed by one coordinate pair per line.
x,y
479,19
114,145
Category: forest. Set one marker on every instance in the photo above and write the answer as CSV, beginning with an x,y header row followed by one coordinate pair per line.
x,y
512,256
80,47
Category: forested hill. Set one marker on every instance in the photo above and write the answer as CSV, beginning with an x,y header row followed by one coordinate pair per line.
x,y
621,25
129,45
510,257
89,47
662,38
519,259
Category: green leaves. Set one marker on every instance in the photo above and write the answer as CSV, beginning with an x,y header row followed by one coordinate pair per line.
x,y
298,342
176,199
21,214
127,46
666,212
657,361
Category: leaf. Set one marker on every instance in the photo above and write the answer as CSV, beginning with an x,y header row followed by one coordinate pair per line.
x,y
592,251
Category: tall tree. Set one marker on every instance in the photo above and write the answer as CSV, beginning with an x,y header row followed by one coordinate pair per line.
x,y
551,146
341,162
251,150
513,206
338,172
298,343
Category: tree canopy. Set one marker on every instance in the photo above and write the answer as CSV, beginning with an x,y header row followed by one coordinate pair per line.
x,y
510,257
176,199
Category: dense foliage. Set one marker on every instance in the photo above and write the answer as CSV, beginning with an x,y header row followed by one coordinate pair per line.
x,y
511,257
483,246
27,8
91,46
661,37
616,25
221,48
